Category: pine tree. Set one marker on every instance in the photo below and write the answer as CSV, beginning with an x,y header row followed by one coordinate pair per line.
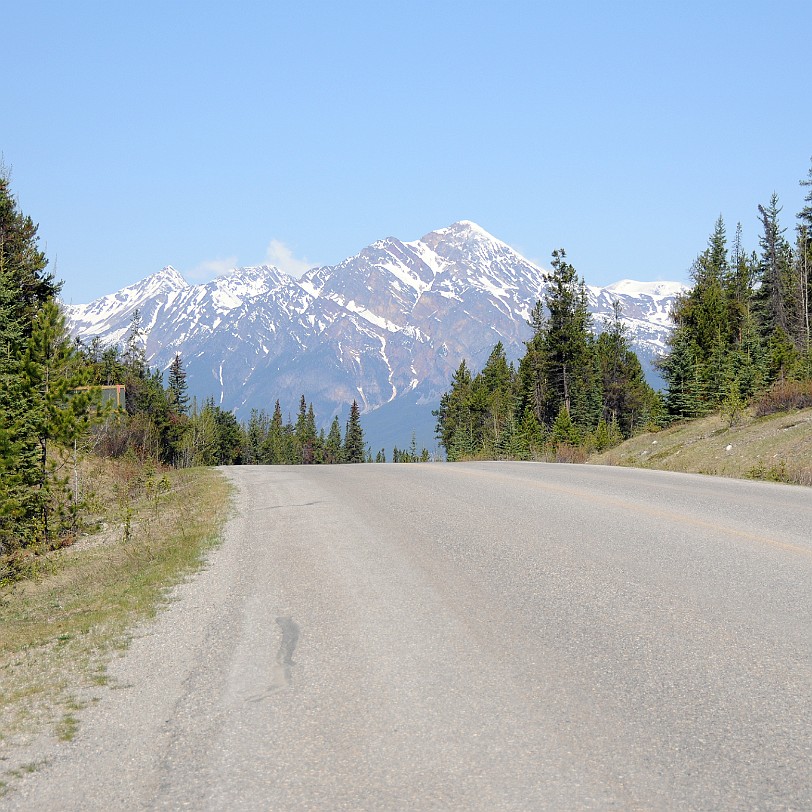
x,y
60,412
334,452
177,387
628,402
708,323
455,413
25,286
804,262
685,397
803,285
494,388
558,368
354,449
134,357
739,288
803,277
566,335
531,434
273,448
532,382
772,297
564,430
256,434
311,450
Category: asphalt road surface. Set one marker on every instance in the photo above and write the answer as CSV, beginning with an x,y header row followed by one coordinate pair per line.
x,y
471,636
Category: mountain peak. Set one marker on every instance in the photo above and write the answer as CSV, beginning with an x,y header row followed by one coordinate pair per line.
x,y
167,279
462,230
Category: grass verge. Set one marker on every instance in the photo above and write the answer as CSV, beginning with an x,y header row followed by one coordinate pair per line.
x,y
776,447
61,627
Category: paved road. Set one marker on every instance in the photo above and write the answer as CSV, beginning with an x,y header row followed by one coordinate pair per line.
x,y
478,636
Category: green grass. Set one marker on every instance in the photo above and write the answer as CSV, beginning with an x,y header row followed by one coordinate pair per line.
x,y
63,625
776,447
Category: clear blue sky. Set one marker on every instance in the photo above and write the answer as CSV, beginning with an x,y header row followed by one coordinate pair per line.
x,y
206,135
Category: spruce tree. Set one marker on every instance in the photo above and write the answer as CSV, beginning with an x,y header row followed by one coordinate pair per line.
x,y
804,261
494,387
803,264
60,412
455,413
627,401
774,272
25,286
255,435
334,452
177,387
354,450
558,368
273,448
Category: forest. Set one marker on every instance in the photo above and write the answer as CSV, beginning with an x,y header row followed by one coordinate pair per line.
x,y
742,329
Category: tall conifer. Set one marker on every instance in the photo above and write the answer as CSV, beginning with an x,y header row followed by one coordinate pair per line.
x,y
354,450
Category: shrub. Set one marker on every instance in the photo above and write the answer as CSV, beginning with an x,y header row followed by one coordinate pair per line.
x,y
783,396
566,452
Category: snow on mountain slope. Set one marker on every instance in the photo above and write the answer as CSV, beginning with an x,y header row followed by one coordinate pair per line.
x,y
110,316
387,326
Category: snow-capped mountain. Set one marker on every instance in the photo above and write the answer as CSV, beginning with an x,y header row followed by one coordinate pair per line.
x,y
386,327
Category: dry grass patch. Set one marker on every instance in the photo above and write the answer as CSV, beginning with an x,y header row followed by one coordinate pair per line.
x,y
61,626
777,447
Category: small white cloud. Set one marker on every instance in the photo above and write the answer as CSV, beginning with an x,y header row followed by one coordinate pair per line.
x,y
281,256
208,270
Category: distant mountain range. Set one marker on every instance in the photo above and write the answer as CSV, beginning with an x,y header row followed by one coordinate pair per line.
x,y
386,327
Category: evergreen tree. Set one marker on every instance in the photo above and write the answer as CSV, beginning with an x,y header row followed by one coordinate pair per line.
x,y
311,450
564,430
228,436
804,265
531,434
354,449
256,434
685,396
803,288
59,412
709,321
334,452
273,448
25,287
532,378
628,402
739,288
302,433
134,357
493,388
455,413
566,336
177,387
774,272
